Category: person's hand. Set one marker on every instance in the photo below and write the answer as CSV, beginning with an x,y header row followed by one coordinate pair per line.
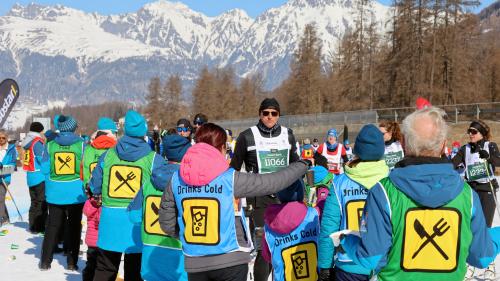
x,y
308,162
483,154
324,274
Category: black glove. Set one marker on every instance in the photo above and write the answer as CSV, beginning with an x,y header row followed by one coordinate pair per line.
x,y
309,163
484,154
324,274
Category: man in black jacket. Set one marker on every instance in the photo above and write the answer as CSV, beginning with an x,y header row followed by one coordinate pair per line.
x,y
264,148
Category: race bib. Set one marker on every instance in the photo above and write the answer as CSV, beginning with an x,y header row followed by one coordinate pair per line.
x,y
202,221
273,160
431,240
476,171
354,211
392,158
64,163
152,216
300,262
124,181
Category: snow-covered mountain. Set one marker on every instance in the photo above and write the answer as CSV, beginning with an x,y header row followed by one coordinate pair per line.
x,y
59,53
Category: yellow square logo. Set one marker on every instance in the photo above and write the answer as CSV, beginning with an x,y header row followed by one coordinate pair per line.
x,y
26,159
354,211
152,216
124,181
431,240
201,220
64,163
92,167
300,262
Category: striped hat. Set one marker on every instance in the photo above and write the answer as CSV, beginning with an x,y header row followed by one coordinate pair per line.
x,y
66,124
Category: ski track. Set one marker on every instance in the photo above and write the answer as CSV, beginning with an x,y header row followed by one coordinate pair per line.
x,y
27,256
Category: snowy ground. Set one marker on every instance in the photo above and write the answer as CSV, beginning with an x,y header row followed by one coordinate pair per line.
x,y
22,263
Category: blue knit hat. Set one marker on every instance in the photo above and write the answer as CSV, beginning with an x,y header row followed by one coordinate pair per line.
x,y
320,173
66,123
106,123
175,146
369,144
135,124
294,192
332,133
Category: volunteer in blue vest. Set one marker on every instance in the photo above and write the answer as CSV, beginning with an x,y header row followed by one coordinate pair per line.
x,y
476,157
201,206
291,236
64,192
264,148
345,202
33,146
162,257
393,139
8,156
422,222
118,176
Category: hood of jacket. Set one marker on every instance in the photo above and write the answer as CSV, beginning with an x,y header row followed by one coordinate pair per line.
x,y
26,143
67,138
284,218
201,164
431,182
175,146
132,148
367,173
103,142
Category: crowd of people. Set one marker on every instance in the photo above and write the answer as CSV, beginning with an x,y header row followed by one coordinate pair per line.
x,y
192,203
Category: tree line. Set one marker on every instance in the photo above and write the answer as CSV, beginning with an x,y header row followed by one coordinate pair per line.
x,y
432,48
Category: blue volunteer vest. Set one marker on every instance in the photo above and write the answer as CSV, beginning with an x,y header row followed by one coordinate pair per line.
x,y
352,198
206,216
295,255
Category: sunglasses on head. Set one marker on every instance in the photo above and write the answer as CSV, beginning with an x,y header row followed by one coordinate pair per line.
x,y
182,129
472,131
273,113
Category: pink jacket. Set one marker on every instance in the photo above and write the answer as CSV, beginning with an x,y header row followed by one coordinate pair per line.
x,y
201,164
282,218
93,215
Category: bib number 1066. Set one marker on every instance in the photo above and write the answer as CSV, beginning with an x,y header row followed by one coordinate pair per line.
x,y
274,161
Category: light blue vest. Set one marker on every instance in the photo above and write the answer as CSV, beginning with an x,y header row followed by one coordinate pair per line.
x,y
352,198
206,216
295,255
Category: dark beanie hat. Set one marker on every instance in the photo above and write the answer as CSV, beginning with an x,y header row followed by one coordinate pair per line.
x,y
36,127
269,103
184,123
369,144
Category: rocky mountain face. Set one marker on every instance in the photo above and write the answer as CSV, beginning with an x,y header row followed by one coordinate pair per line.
x,y
59,53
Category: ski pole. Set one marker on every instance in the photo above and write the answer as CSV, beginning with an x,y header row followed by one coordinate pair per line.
x,y
491,186
12,197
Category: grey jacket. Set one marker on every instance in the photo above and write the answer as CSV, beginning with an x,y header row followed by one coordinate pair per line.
x,y
245,185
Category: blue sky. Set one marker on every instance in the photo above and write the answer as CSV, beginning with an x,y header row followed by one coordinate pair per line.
x,y
208,7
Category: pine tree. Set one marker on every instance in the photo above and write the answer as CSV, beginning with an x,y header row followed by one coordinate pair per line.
x,y
173,108
154,105
202,94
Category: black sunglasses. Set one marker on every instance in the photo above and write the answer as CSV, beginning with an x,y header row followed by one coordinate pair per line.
x,y
472,131
198,122
182,129
273,113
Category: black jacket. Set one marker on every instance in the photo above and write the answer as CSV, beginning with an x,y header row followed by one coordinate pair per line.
x,y
246,139
494,161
